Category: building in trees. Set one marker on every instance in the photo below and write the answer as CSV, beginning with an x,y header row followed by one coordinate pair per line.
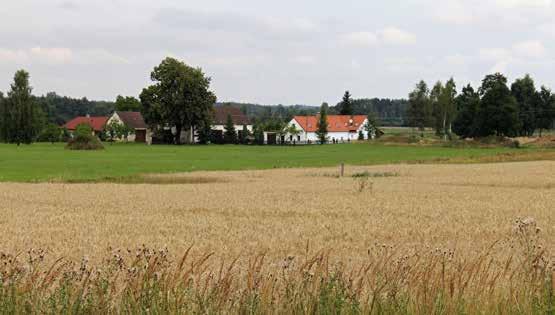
x,y
238,119
340,128
97,124
137,129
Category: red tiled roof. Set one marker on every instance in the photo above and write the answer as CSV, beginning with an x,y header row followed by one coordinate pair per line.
x,y
96,123
336,123
221,113
132,119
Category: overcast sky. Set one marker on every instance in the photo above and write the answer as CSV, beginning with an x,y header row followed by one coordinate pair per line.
x,y
270,52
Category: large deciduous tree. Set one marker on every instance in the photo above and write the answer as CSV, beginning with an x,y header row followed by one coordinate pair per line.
x,y
346,105
468,104
528,101
180,98
419,113
21,115
322,124
498,113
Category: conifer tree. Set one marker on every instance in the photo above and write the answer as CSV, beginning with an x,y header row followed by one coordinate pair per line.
x,y
322,126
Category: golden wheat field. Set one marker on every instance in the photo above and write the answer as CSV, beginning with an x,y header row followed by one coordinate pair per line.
x,y
279,212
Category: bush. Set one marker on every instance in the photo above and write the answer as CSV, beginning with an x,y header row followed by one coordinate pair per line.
x,y
84,142
51,133
83,130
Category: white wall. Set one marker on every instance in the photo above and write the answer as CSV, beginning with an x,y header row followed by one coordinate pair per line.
x,y
115,117
237,127
339,136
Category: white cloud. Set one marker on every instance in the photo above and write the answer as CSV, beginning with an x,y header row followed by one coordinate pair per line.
x,y
304,60
493,54
395,36
453,11
390,36
53,55
289,25
58,56
363,39
530,49
512,4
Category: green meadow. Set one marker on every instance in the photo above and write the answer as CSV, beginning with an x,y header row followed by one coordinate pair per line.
x,y
51,162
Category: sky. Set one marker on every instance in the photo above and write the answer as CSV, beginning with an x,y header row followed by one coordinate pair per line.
x,y
275,52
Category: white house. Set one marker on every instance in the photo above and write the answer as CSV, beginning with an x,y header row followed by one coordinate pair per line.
x,y
136,122
221,114
219,121
341,128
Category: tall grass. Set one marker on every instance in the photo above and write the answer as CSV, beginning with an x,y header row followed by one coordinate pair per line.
x,y
512,276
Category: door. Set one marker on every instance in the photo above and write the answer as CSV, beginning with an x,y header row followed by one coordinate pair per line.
x,y
140,136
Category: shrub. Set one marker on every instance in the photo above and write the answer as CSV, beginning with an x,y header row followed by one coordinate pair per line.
x,y
51,133
84,142
83,130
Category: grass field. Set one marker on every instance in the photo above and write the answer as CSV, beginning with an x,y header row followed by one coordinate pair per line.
x,y
411,239
46,162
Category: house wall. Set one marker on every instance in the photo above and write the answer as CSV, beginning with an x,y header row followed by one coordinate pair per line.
x,y
237,127
115,118
312,137
131,138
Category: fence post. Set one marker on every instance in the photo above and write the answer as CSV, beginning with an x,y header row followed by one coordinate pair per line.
x,y
342,170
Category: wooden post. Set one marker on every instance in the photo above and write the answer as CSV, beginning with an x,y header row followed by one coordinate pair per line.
x,y
342,170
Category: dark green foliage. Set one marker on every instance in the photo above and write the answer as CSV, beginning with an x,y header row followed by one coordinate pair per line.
x,y
360,135
322,127
468,104
258,134
22,118
205,133
498,113
3,117
372,126
244,135
127,104
51,133
180,97
528,100
419,113
230,134
61,109
346,105
546,109
65,135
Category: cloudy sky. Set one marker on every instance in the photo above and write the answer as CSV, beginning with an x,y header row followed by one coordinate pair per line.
x,y
288,51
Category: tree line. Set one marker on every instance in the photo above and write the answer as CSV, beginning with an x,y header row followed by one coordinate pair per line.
x,y
494,109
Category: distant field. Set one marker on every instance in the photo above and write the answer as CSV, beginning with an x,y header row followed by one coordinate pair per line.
x,y
47,162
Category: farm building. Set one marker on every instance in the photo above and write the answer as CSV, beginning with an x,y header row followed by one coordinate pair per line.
x,y
341,128
136,122
97,124
220,119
